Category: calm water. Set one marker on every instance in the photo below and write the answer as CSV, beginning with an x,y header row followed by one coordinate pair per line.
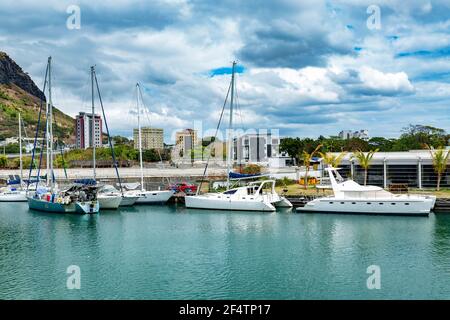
x,y
174,253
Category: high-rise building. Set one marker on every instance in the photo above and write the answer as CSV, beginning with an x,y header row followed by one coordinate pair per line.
x,y
185,141
83,131
255,148
152,138
349,134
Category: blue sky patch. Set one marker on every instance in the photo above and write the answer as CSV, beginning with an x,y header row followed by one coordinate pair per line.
x,y
226,70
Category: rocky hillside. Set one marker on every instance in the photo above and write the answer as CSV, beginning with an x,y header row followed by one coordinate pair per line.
x,y
19,94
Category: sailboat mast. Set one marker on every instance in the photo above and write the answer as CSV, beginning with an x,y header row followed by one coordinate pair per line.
x,y
138,89
230,126
93,124
49,128
20,149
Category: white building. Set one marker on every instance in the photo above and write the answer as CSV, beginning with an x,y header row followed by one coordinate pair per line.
x,y
413,168
349,134
83,131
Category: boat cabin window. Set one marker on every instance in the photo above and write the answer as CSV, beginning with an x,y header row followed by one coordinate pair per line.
x,y
406,204
230,192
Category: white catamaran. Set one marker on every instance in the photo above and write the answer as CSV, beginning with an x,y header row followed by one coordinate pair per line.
x,y
351,197
256,196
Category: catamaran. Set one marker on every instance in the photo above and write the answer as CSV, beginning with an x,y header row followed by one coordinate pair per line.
x,y
146,196
351,197
76,199
15,192
256,196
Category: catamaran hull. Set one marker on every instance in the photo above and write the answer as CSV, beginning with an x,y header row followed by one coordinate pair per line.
x,y
282,203
371,206
13,196
153,197
42,205
204,202
109,202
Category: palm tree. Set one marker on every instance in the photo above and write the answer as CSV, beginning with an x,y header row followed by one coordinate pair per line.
x,y
332,159
364,159
307,157
440,159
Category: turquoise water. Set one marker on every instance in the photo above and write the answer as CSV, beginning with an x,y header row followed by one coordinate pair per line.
x,y
169,252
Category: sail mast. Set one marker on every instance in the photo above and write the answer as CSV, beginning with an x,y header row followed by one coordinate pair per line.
x,y
93,123
20,150
138,89
49,126
230,126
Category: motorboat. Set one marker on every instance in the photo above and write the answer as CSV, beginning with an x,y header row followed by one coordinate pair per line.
x,y
351,197
256,196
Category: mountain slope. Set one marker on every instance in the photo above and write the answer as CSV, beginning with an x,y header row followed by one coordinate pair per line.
x,y
19,94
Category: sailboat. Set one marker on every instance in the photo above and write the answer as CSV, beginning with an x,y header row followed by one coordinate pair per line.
x,y
16,192
106,200
256,196
146,196
76,199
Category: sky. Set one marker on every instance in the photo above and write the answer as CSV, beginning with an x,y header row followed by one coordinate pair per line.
x,y
305,68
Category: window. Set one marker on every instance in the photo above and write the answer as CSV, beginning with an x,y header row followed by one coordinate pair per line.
x,y
342,202
353,202
381,203
331,202
230,192
406,204
369,202
393,203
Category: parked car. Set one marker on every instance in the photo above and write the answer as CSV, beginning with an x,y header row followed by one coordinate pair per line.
x,y
184,187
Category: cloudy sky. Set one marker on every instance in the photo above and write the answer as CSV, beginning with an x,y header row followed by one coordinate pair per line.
x,y
305,67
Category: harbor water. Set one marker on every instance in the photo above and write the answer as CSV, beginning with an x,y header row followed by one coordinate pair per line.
x,y
170,252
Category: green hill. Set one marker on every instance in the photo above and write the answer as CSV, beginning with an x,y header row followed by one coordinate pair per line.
x,y
19,94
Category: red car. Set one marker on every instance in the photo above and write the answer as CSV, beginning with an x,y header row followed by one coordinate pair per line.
x,y
184,187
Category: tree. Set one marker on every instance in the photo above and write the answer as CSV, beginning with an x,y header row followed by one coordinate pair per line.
x,y
307,157
440,160
3,161
365,159
331,159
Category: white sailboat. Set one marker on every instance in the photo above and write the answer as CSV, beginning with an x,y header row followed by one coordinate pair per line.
x,y
146,196
106,199
16,192
351,197
256,196
76,199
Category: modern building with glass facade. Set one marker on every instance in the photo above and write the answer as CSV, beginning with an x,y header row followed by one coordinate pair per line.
x,y
413,168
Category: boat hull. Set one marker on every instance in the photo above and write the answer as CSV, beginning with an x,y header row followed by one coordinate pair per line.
x,y
215,203
89,207
153,197
109,202
128,201
13,196
406,207
42,205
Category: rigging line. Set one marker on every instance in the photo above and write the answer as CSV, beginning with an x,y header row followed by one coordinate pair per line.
x,y
238,106
146,111
109,136
215,136
37,133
